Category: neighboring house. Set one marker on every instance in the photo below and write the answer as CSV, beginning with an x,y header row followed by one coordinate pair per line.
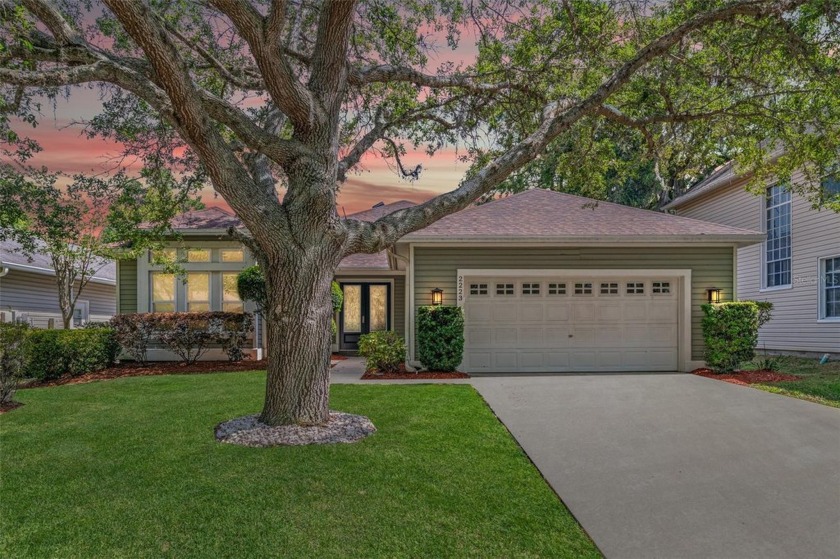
x,y
549,282
28,291
797,268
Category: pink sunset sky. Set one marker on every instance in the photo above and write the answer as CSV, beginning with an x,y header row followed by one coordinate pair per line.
x,y
66,149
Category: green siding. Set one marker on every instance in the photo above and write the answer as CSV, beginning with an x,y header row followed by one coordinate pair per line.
x,y
127,285
710,266
399,305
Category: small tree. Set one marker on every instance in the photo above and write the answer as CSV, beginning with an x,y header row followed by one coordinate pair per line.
x,y
13,356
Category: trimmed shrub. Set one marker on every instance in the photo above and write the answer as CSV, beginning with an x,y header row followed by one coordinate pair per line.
x,y
134,334
730,331
188,335
765,312
440,337
337,296
383,351
54,353
14,342
250,284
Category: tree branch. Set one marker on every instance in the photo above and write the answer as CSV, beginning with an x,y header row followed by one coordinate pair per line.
x,y
50,15
329,61
376,236
288,94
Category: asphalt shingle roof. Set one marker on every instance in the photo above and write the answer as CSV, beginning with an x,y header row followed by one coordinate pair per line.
x,y
545,214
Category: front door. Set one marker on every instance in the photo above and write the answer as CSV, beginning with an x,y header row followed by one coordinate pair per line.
x,y
367,308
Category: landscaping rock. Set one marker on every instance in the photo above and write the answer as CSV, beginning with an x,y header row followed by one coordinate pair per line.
x,y
249,431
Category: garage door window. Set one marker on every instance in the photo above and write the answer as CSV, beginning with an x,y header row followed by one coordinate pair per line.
x,y
583,289
636,288
478,289
504,289
556,288
661,287
609,289
530,289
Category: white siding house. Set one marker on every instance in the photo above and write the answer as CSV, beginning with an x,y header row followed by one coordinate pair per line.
x,y
797,268
28,291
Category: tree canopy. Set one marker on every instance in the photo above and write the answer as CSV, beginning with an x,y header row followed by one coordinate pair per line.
x,y
277,102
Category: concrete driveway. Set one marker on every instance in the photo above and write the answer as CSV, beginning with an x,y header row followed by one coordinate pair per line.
x,y
678,466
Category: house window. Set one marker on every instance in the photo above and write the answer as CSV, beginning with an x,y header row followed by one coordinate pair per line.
x,y
198,255
830,291
198,292
504,289
609,289
636,288
556,288
530,289
232,255
583,288
478,289
163,292
230,294
777,245
163,256
661,287
831,185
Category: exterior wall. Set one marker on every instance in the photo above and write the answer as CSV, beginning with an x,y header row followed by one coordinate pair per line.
x,y
36,295
815,234
127,284
710,266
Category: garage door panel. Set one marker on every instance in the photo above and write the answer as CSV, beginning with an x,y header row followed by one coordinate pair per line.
x,y
523,327
557,312
531,312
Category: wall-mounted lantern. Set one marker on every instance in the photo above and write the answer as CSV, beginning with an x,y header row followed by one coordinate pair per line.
x,y
713,294
437,296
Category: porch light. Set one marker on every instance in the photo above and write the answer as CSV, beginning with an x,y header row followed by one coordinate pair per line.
x,y
437,296
713,294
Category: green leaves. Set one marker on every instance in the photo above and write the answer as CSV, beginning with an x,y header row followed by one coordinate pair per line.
x,y
440,337
730,332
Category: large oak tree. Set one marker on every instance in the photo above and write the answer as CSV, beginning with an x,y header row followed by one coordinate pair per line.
x,y
279,101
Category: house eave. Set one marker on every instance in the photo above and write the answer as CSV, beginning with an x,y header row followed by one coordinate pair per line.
x,y
50,272
647,240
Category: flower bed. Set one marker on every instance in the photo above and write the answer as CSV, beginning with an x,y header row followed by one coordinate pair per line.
x,y
746,377
402,374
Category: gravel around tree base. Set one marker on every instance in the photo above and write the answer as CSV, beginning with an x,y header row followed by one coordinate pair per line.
x,y
249,431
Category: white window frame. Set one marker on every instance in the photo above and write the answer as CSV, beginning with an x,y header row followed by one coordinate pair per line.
x,y
821,287
763,285
84,306
215,267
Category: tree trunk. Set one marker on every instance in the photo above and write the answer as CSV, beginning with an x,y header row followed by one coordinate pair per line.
x,y
298,323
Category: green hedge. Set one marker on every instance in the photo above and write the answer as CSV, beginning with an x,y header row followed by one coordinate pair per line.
x,y
54,353
440,337
383,351
730,331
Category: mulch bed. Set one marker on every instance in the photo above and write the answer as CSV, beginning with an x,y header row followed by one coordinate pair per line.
x,y
9,406
131,369
746,377
402,374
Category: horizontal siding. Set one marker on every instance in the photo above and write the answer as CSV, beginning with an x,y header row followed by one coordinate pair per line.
x,y
815,234
37,295
399,305
437,267
127,282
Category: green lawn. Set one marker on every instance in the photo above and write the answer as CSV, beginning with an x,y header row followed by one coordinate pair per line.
x,y
130,468
820,383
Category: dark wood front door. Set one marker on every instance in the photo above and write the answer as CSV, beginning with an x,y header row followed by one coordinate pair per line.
x,y
367,308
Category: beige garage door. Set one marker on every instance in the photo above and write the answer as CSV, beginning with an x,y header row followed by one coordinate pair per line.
x,y
564,324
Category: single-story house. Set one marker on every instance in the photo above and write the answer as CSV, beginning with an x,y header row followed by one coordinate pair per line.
x,y
797,268
28,290
549,282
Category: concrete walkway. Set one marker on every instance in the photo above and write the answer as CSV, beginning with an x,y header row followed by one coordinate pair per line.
x,y
677,466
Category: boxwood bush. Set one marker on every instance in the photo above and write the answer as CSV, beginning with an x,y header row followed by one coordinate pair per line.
x,y
730,331
440,337
383,351
54,353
